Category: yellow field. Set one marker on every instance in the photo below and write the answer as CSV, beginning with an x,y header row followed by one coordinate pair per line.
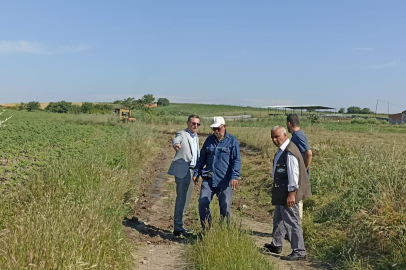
x,y
42,105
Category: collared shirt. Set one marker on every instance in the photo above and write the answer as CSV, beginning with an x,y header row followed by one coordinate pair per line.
x,y
300,140
221,160
194,146
292,167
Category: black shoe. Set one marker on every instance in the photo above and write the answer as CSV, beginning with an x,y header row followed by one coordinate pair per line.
x,y
293,257
185,233
271,248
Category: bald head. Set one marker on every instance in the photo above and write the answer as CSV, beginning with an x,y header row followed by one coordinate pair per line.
x,y
278,135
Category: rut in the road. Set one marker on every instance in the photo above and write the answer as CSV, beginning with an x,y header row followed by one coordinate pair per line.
x,y
152,222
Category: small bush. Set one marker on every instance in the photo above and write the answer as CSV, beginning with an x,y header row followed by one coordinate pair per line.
x,y
59,107
32,106
163,102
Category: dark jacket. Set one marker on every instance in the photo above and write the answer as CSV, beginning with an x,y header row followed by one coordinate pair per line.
x,y
280,186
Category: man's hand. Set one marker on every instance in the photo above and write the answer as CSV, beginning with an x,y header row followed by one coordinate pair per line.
x,y
176,146
291,199
234,183
196,179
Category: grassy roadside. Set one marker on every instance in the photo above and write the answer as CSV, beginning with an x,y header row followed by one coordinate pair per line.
x,y
226,247
354,220
68,214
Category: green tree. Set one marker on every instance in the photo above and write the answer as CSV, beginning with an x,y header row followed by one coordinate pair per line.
x,y
22,106
128,103
117,101
353,109
365,111
341,110
87,107
32,106
163,102
149,98
102,108
75,109
59,107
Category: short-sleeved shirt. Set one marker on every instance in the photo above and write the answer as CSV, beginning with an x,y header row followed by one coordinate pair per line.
x,y
300,139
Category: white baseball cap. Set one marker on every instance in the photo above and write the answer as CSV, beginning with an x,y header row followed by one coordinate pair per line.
x,y
217,121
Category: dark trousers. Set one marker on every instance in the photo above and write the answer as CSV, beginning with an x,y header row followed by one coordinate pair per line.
x,y
207,192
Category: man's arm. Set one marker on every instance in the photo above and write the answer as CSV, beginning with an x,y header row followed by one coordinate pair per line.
x,y
176,143
308,158
293,179
200,163
235,164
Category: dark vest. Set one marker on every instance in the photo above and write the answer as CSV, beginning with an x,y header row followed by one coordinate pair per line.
x,y
280,185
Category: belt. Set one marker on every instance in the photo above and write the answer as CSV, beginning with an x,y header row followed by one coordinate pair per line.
x,y
191,167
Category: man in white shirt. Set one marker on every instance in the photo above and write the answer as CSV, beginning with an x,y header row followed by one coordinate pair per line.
x,y
291,185
186,145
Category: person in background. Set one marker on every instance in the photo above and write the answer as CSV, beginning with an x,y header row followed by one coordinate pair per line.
x,y
186,145
219,165
290,185
300,140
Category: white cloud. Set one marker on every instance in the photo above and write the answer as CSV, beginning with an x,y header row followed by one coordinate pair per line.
x,y
21,47
30,47
362,49
74,48
382,66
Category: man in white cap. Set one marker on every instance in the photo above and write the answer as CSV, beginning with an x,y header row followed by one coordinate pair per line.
x,y
219,165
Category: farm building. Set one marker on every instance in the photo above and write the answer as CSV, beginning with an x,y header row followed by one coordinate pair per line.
x,y
151,105
398,118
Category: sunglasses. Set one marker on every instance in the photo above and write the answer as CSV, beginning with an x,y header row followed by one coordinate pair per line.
x,y
193,123
217,128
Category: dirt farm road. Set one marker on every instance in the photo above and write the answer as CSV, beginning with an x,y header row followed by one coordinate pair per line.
x,y
152,223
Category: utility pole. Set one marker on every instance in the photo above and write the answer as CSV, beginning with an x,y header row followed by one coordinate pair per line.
x,y
376,108
388,109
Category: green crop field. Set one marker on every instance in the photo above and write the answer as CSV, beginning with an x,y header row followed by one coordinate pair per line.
x,y
67,181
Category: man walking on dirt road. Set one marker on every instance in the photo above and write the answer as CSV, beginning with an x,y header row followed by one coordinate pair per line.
x,y
290,185
220,166
300,140
186,145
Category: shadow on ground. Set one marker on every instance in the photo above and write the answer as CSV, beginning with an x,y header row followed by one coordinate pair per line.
x,y
152,231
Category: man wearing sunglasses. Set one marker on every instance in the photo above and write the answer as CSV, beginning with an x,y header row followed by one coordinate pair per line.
x,y
186,145
219,165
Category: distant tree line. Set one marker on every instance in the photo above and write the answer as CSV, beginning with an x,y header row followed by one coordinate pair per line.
x,y
354,109
89,107
132,103
86,107
67,107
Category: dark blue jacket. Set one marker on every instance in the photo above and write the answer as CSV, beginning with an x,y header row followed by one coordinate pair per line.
x,y
220,158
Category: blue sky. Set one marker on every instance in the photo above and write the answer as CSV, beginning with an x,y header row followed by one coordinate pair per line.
x,y
255,53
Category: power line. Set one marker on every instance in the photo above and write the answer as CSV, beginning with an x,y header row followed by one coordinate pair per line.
x,y
403,106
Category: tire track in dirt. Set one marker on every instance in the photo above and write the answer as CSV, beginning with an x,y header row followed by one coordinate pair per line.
x,y
152,221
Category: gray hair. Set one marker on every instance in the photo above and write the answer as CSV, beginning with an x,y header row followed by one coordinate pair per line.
x,y
278,127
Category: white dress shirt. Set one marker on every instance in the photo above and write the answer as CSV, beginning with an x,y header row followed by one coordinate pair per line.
x,y
292,167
